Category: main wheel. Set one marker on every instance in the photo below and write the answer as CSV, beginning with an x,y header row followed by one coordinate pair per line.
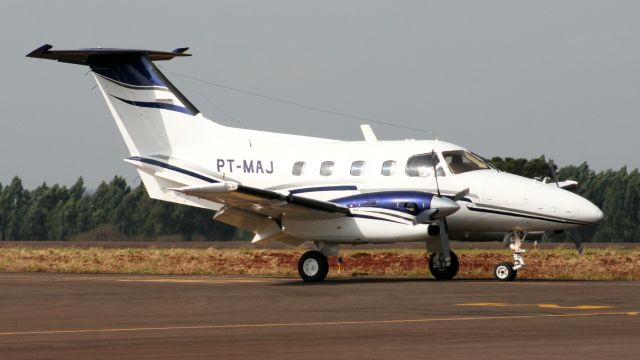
x,y
505,272
443,273
313,266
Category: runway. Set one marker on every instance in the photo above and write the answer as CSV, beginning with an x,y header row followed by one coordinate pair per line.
x,y
55,316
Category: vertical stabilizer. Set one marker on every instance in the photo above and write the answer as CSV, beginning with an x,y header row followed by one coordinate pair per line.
x,y
153,116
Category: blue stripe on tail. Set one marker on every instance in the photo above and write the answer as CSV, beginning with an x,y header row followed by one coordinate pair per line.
x,y
136,72
156,105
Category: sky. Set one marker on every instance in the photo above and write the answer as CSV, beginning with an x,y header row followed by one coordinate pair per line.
x,y
502,78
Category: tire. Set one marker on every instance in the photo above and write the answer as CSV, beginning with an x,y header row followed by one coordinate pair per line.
x,y
447,273
505,272
313,266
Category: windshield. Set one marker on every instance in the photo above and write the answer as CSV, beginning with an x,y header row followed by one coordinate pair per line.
x,y
461,161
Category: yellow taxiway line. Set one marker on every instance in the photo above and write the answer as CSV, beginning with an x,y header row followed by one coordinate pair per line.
x,y
311,324
543,306
138,278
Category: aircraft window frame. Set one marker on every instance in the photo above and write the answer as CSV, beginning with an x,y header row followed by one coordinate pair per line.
x,y
473,162
423,170
388,168
357,168
326,168
298,168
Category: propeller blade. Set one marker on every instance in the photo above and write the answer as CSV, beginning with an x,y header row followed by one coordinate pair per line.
x,y
425,217
579,246
444,240
460,194
553,172
434,158
444,231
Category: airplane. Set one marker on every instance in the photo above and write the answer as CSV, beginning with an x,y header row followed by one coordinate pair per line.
x,y
295,189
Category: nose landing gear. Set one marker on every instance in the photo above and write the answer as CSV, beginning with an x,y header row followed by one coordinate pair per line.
x,y
507,271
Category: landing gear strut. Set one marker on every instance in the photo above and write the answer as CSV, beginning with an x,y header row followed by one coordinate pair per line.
x,y
507,271
439,267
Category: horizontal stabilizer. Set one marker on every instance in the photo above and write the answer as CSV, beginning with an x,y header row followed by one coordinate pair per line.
x,y
88,56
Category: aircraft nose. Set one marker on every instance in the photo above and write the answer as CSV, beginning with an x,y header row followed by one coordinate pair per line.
x,y
444,205
590,213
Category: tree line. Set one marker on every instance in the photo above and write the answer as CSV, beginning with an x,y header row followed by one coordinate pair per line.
x,y
114,211
60,213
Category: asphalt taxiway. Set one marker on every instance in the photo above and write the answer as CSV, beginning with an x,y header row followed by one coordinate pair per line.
x,y
65,316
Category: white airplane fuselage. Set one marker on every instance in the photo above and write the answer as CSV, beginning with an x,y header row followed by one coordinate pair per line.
x,y
496,202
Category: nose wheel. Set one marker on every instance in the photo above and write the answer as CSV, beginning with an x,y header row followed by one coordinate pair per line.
x,y
505,271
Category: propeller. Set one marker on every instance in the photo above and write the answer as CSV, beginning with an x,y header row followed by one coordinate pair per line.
x,y
554,175
461,194
549,234
576,241
441,207
573,236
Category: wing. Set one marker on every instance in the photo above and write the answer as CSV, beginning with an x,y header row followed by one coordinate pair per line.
x,y
263,202
258,210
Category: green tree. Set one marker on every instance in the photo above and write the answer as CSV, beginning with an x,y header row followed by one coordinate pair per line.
x,y
15,198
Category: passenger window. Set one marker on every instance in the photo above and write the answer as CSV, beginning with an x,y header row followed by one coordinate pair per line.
x,y
388,168
298,168
422,165
357,168
326,168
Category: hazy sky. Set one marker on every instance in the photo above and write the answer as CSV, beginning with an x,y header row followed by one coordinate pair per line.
x,y
503,78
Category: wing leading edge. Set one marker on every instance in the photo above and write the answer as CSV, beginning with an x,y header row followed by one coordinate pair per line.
x,y
261,201
259,210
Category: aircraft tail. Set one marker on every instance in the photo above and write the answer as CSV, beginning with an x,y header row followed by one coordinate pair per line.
x,y
152,115
155,119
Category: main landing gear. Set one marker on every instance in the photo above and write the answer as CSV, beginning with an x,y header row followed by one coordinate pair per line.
x,y
440,269
313,265
507,271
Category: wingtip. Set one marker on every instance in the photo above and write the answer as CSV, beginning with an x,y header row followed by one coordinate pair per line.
x,y
181,50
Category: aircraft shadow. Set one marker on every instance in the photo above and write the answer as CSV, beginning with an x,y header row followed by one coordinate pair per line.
x,y
374,280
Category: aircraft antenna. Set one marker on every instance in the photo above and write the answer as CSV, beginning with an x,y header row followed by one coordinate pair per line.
x,y
294,103
206,98
434,134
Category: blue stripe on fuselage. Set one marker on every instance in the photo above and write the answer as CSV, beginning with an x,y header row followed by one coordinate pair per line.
x,y
391,200
323,188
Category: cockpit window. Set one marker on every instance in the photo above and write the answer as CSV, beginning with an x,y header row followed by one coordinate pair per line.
x,y
422,165
461,161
